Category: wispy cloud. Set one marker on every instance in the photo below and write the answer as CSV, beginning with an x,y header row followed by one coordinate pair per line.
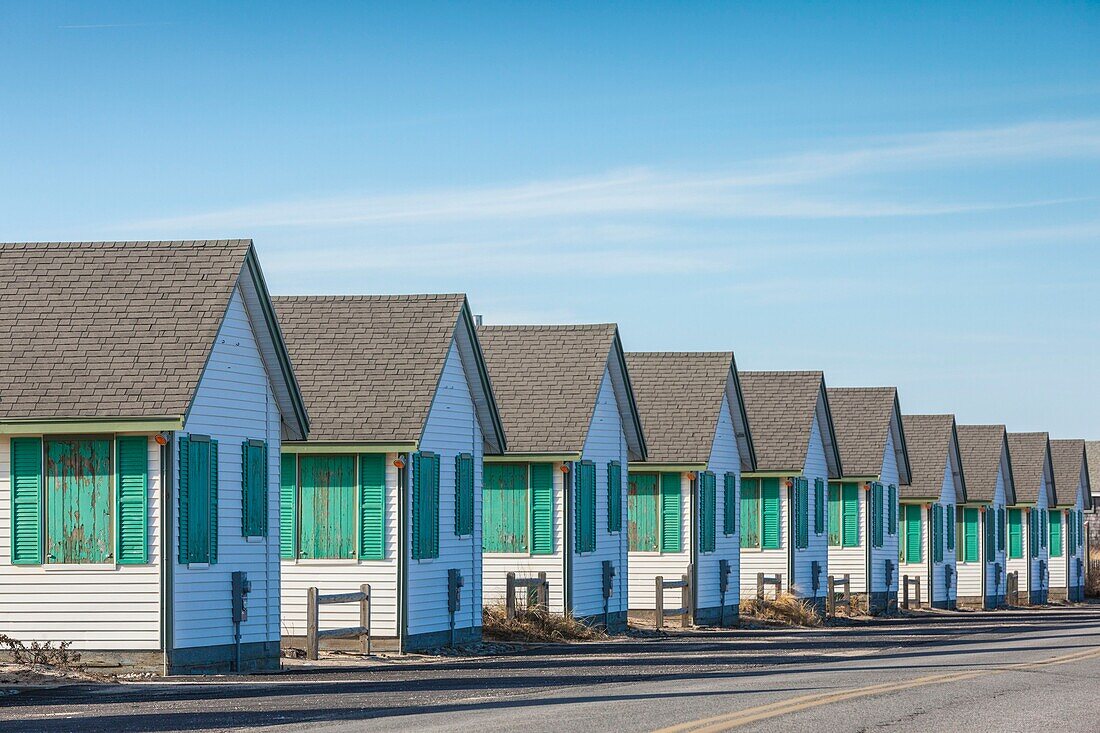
x,y
779,188
102,26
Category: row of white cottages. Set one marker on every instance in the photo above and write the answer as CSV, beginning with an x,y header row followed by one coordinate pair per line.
x,y
182,456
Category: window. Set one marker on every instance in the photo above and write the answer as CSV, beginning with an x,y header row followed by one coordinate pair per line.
x,y
254,488
970,520
517,508
1055,534
729,504
327,495
425,506
1015,534
464,494
877,515
198,500
586,506
819,505
614,497
78,501
641,503
844,515
707,511
750,513
911,544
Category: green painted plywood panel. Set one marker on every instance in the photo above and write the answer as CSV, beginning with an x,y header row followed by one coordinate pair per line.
x,y
328,493
641,504
750,512
505,510
78,501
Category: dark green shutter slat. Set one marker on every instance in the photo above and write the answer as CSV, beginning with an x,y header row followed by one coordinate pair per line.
x,y
585,506
288,506
671,502
132,496
834,515
184,504
750,513
707,511
614,497
26,501
771,518
372,506
542,508
729,504
464,494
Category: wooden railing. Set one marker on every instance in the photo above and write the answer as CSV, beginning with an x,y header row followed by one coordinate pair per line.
x,y
684,611
314,601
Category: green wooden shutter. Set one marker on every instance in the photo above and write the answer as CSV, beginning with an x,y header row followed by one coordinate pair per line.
x,y
464,494
586,506
1032,533
990,535
937,533
213,552
1055,534
1071,532
1015,534
771,518
614,497
949,513
729,504
970,534
834,515
132,500
671,508
1080,529
802,513
372,506
183,509
288,506
1044,524
425,514
850,508
819,505
892,509
708,509
26,501
254,488
542,509
750,512
877,514
911,547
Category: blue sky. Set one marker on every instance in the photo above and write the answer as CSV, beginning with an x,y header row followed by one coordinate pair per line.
x,y
904,194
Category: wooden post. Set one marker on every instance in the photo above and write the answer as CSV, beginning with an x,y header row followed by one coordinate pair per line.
x,y
905,592
685,601
659,604
760,587
364,617
510,597
312,643
917,582
543,599
830,600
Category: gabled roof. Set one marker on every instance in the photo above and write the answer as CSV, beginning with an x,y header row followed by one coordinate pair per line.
x,y
123,330
1030,461
984,450
679,397
782,407
370,365
864,418
547,378
932,442
1092,455
1070,469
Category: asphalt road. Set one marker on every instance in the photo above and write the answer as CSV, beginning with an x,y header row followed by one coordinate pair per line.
x,y
1012,670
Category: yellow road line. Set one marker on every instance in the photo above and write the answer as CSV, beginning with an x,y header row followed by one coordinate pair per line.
x,y
736,719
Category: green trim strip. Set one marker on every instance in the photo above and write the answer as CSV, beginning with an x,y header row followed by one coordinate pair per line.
x,y
349,448
533,458
94,425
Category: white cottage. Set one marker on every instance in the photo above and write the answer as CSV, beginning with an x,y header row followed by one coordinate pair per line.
x,y
927,541
1028,520
555,502
387,490
981,544
784,518
863,504
682,500
1067,520
146,392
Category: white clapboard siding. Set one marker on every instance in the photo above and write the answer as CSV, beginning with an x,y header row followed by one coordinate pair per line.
x,y
1038,578
233,403
646,566
101,609
918,568
889,549
497,565
818,550
605,442
1059,571
345,576
724,458
852,561
451,428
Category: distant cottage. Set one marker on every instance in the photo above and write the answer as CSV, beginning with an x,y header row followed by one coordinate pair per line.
x,y
983,544
1067,520
1029,552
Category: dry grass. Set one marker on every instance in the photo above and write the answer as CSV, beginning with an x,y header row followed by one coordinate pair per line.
x,y
535,626
44,655
786,610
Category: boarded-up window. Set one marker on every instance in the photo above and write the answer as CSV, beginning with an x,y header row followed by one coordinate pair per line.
x,y
425,506
1055,534
641,506
254,488
750,512
464,494
708,502
729,504
1000,515
1015,534
504,507
614,497
1033,532
586,506
198,500
78,501
990,534
328,492
671,511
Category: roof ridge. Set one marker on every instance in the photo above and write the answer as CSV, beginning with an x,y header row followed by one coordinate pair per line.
x,y
370,297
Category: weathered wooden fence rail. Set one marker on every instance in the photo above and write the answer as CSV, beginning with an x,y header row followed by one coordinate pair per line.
x,y
762,580
833,582
314,601
908,583
538,593
684,611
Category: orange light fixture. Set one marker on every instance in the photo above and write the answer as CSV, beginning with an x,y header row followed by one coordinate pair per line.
x,y
790,484
564,468
160,439
399,462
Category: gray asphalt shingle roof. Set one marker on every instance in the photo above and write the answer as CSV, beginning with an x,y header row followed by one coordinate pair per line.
x,y
1068,458
781,408
110,329
368,365
546,380
1029,453
981,447
861,419
679,397
929,439
1092,455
